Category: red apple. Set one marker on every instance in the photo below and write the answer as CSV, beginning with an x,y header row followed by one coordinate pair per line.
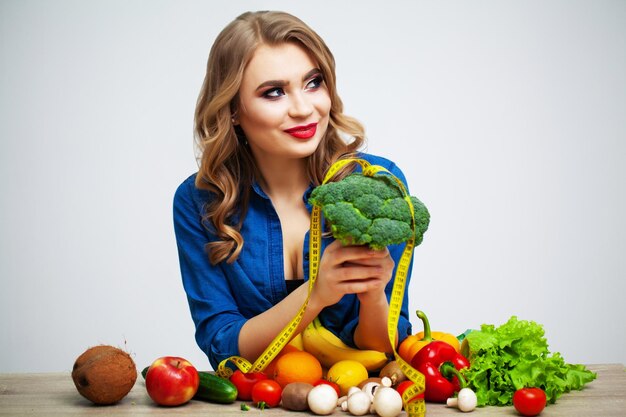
x,y
171,381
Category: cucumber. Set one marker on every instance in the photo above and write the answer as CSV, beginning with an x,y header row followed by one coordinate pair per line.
x,y
212,388
215,389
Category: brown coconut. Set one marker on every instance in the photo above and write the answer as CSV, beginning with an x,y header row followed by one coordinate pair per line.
x,y
104,374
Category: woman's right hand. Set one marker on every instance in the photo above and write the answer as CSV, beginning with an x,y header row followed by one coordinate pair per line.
x,y
349,270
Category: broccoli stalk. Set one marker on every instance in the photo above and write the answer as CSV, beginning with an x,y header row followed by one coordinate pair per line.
x,y
364,210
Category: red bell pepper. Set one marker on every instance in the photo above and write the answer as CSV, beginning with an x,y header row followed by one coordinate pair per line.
x,y
440,365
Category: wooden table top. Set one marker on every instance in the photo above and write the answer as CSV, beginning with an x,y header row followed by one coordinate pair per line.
x,y
54,394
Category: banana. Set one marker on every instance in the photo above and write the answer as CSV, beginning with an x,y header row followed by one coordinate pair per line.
x,y
297,342
329,349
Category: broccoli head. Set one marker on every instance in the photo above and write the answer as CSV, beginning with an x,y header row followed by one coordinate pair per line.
x,y
363,210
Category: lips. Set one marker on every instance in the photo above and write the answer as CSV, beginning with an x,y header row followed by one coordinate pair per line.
x,y
303,132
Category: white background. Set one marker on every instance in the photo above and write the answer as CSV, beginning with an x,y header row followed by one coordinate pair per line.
x,y
508,118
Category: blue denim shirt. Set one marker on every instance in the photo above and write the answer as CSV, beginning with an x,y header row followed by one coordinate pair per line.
x,y
222,297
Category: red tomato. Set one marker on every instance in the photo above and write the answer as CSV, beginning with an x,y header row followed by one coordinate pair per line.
x,y
267,391
529,401
245,382
402,386
331,383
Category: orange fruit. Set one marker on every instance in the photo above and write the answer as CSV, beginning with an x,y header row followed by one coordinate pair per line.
x,y
271,367
297,366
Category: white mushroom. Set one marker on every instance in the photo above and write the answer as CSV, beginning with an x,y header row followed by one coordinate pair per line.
x,y
465,401
386,381
359,403
370,389
322,399
387,402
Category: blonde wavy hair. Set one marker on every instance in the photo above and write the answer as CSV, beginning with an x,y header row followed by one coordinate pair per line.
x,y
226,165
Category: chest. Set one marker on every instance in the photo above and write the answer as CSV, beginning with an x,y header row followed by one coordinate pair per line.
x,y
276,241
294,223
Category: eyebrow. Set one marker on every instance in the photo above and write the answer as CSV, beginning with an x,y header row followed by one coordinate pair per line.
x,y
283,83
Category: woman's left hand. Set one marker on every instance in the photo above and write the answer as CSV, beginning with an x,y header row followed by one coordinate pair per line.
x,y
379,281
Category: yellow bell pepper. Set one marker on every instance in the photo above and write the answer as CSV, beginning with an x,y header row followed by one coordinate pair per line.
x,y
412,344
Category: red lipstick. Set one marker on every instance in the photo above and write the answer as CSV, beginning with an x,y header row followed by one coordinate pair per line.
x,y
303,132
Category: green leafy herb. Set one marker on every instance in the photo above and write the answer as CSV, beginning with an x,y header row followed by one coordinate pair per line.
x,y
515,355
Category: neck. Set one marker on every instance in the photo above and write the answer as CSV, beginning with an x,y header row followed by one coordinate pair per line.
x,y
285,178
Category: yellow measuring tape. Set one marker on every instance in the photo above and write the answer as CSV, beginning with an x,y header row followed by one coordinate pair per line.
x,y
415,408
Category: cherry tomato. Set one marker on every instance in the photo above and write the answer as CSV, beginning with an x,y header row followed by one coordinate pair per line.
x,y
529,401
331,383
267,391
245,382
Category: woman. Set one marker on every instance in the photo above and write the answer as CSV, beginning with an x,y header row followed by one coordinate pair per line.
x,y
269,123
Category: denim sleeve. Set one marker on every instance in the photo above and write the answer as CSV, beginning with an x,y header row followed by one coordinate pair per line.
x,y
213,309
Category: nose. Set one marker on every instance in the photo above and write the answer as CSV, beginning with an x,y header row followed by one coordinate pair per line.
x,y
301,106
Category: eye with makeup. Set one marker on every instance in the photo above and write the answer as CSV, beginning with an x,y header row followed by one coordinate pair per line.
x,y
315,82
273,93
